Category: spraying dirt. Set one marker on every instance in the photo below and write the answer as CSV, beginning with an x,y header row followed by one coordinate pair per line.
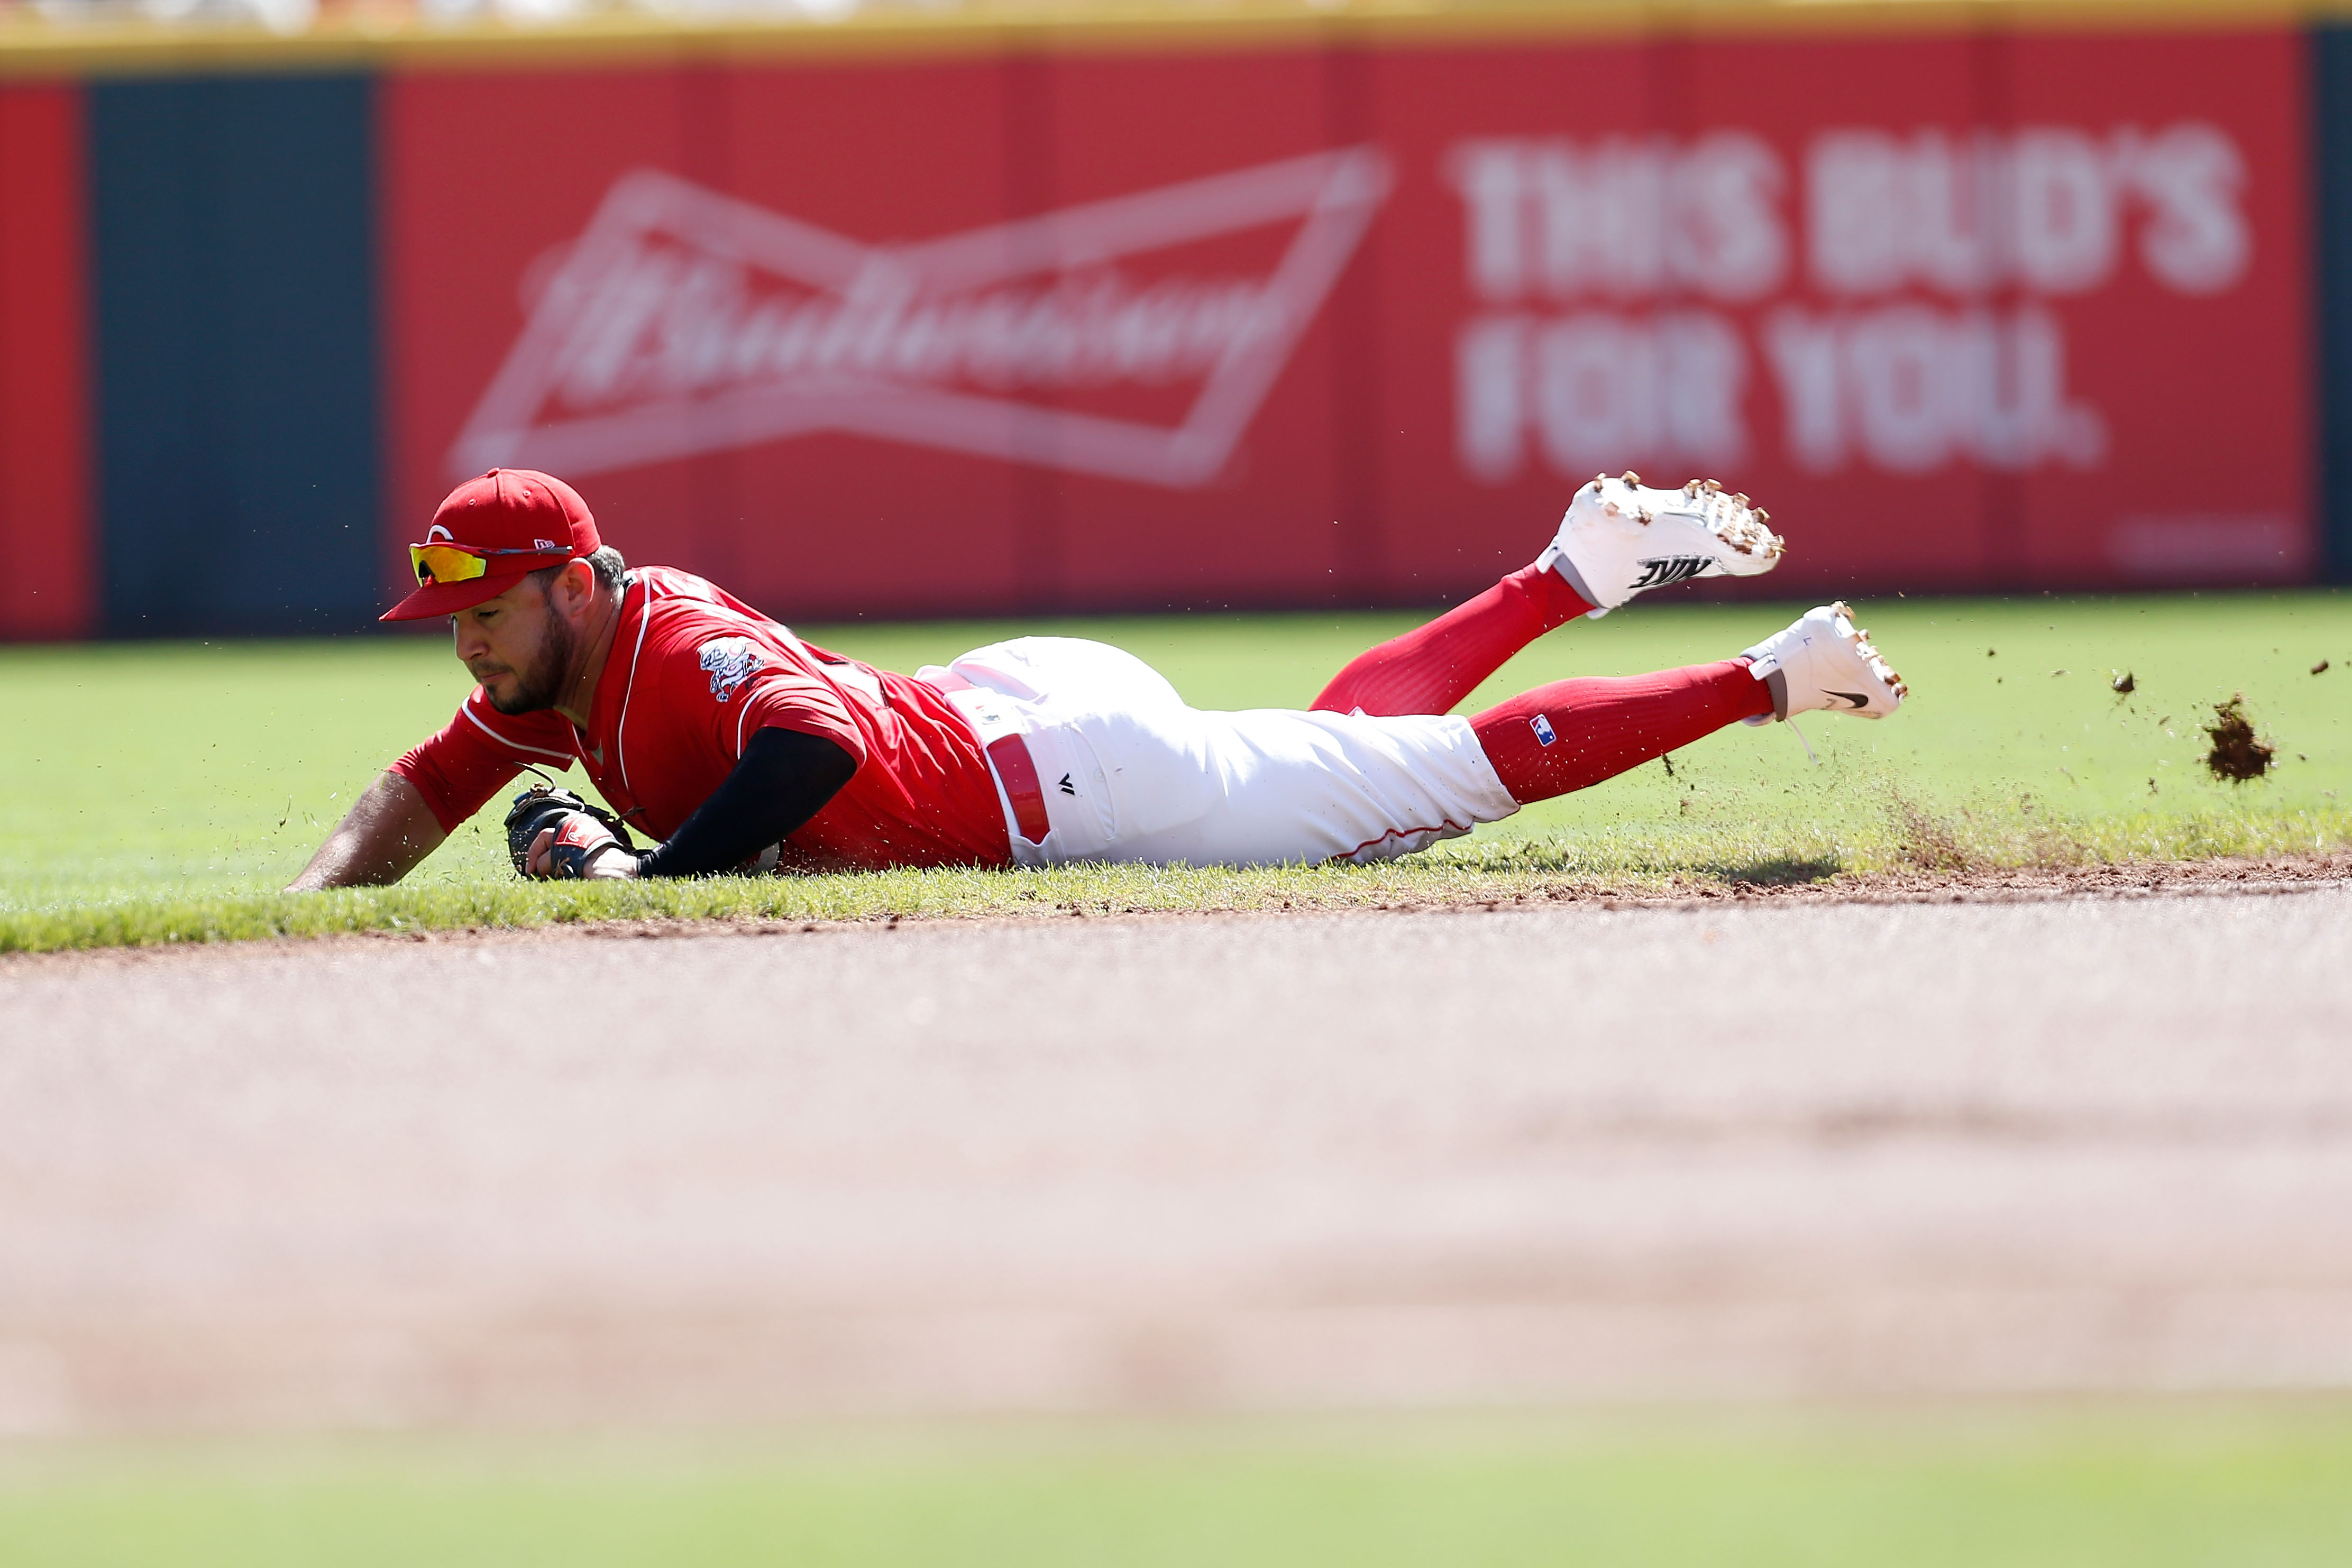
x,y
2238,754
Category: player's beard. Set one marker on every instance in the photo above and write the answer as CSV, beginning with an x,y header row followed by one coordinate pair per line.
x,y
541,686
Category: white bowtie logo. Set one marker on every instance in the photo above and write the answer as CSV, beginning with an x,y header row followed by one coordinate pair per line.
x,y
686,321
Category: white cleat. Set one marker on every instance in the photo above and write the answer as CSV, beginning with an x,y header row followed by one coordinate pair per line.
x,y
1825,661
1619,539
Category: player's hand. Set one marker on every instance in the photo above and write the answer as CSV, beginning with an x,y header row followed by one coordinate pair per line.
x,y
552,833
580,846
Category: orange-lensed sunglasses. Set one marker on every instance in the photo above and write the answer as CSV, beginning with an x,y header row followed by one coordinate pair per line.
x,y
457,563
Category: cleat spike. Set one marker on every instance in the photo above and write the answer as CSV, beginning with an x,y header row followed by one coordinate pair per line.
x,y
1631,477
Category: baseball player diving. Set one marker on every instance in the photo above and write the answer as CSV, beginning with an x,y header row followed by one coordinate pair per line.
x,y
734,746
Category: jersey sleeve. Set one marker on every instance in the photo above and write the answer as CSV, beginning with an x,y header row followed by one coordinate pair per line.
x,y
458,770
748,685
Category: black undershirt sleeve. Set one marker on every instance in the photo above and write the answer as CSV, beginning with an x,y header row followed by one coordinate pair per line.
x,y
783,778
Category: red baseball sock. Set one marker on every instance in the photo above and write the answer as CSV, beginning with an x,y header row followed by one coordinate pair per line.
x,y
1432,667
1571,734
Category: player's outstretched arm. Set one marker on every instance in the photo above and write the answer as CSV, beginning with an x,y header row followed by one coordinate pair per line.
x,y
784,778
387,832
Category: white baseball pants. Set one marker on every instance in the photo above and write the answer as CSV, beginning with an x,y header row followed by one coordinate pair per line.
x,y
1130,773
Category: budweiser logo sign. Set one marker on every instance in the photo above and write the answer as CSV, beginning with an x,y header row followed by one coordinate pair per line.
x,y
685,320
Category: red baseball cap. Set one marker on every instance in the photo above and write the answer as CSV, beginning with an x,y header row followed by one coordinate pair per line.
x,y
490,534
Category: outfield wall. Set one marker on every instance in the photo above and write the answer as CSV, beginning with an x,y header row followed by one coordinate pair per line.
x,y
1267,315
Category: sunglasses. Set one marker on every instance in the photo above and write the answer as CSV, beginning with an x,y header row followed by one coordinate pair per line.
x,y
455,563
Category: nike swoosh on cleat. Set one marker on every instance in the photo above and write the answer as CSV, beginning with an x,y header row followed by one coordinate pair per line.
x,y
1856,698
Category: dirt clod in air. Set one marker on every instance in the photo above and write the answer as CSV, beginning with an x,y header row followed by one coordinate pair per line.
x,y
2320,668
2237,753
2124,685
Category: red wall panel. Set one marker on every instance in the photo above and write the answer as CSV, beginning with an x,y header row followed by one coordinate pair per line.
x,y
1262,526
490,178
48,587
1297,326
1964,370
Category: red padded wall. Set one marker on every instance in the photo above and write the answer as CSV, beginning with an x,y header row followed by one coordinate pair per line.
x,y
47,585
1304,326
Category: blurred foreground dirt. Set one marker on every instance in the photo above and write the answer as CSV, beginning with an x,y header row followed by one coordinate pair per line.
x,y
1739,1148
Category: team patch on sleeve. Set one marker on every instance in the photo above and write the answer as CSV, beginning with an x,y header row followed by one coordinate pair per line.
x,y
729,661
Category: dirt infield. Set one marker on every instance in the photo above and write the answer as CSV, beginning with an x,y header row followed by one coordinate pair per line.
x,y
1739,1147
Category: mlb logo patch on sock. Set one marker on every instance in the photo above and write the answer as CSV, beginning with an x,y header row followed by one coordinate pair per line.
x,y
1541,725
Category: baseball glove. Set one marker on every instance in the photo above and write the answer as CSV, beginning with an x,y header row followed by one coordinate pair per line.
x,y
542,806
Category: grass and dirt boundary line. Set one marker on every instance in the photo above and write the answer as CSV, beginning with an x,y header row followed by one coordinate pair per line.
x,y
1929,859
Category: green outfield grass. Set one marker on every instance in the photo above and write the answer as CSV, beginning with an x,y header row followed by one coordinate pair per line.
x,y
2158,1486
163,791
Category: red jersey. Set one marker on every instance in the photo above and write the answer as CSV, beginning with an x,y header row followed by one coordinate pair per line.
x,y
693,674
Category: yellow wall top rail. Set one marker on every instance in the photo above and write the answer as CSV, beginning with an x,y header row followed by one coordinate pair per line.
x,y
111,38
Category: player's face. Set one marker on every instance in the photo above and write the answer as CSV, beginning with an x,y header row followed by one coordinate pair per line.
x,y
519,646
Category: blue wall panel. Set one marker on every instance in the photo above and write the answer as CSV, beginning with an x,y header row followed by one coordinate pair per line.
x,y
234,255
2331,177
